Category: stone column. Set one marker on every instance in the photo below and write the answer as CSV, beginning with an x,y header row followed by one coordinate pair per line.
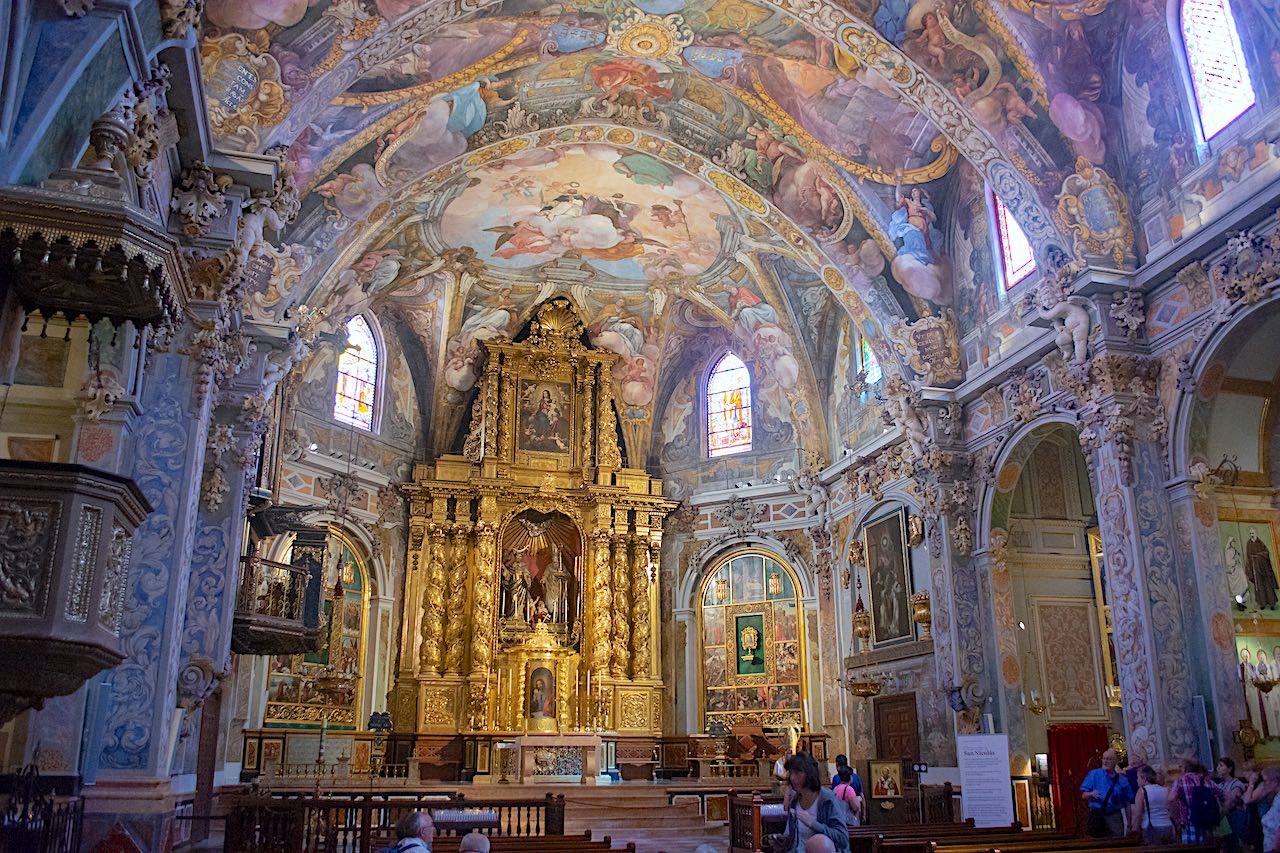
x,y
137,710
685,669
105,423
404,703
621,607
430,654
1006,681
959,601
1195,520
455,635
1121,426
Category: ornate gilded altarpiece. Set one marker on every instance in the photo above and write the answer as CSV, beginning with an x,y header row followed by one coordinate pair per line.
x,y
532,584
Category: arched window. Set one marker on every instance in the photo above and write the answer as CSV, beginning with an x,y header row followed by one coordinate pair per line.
x,y
867,361
1017,261
1218,71
357,376
728,407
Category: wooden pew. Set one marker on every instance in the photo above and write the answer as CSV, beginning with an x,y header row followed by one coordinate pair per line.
x,y
914,837
534,844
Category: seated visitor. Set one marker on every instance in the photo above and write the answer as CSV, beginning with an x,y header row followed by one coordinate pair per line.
x,y
474,842
812,809
416,831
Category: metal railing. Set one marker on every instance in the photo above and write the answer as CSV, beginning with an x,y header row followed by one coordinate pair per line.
x,y
268,588
32,821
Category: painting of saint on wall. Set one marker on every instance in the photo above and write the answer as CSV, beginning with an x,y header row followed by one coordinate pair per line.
x,y
713,667
542,694
886,779
1259,660
713,626
546,413
1248,554
788,665
890,573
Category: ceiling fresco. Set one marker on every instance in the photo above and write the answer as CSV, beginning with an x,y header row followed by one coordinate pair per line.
x,y
739,158
625,214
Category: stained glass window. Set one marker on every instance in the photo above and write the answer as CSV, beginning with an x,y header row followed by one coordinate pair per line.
x,y
357,376
1017,259
867,361
1218,71
729,407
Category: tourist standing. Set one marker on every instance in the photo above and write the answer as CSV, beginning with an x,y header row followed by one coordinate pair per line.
x,y
1233,790
847,794
1199,801
1108,794
1151,809
1261,799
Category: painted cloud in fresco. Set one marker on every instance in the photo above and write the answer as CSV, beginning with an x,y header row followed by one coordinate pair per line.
x,y
623,212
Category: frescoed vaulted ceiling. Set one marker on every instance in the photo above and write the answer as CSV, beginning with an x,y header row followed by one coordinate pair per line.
x,y
761,168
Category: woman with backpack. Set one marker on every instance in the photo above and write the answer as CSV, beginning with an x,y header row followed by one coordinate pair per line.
x,y
846,793
1151,809
1199,801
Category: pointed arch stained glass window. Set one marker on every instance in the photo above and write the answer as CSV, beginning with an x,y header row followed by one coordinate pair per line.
x,y
729,407
1219,74
357,376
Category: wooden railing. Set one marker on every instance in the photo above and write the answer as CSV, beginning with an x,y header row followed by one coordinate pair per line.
x,y
359,822
752,819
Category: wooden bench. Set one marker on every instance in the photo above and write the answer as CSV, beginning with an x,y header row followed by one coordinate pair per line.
x,y
534,844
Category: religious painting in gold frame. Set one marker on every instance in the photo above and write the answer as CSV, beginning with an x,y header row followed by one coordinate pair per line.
x,y
889,573
545,417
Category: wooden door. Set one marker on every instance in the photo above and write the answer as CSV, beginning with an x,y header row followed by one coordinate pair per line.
x,y
897,731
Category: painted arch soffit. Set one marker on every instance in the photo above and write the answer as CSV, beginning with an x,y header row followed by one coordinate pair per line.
x,y
637,229
359,42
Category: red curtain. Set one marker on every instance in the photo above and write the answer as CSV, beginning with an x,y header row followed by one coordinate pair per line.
x,y
1073,751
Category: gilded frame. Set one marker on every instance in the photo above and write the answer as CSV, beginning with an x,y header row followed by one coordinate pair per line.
x,y
895,523
769,676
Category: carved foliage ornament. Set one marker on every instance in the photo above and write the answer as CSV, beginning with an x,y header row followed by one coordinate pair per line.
x,y
28,540
741,516
1251,263
199,198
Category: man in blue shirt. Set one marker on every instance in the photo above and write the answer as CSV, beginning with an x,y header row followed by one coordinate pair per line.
x,y
1108,794
842,763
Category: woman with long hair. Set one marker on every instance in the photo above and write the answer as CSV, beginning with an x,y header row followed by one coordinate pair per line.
x,y
812,808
